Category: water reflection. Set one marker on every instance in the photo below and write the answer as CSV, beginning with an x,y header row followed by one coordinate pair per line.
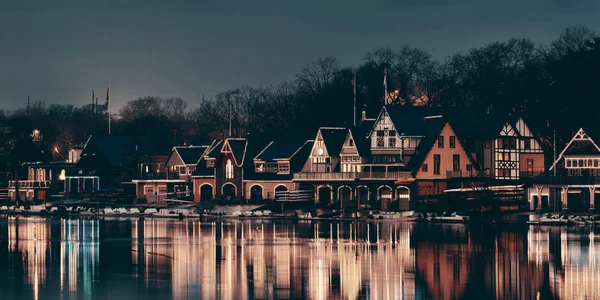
x,y
160,259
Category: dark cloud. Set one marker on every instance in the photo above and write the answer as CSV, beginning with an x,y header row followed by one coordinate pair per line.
x,y
58,51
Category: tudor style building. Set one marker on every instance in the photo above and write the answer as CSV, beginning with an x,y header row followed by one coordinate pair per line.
x,y
502,145
420,153
573,179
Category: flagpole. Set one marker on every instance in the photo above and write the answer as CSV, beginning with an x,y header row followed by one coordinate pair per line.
x,y
108,107
384,86
354,86
230,108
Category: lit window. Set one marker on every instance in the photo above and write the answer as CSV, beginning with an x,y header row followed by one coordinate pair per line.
x,y
260,167
62,175
229,170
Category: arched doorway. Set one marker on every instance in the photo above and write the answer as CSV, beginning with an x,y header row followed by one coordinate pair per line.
x,y
385,196
324,194
362,196
206,192
345,196
229,191
280,189
256,193
403,197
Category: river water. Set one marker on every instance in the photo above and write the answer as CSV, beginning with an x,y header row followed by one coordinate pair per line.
x,y
173,259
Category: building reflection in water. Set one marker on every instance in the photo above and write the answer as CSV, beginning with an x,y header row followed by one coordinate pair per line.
x,y
88,259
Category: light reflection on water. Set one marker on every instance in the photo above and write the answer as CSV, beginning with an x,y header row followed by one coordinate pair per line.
x,y
161,259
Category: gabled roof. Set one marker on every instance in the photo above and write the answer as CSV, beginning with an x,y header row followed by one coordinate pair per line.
x,y
435,127
470,124
202,170
238,149
360,134
190,155
214,149
409,120
297,160
283,149
580,144
333,138
108,149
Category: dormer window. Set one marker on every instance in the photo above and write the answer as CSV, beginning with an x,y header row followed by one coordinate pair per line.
x,y
259,167
210,163
284,167
182,170
272,167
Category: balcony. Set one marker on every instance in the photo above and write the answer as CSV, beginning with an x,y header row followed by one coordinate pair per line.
x,y
156,176
468,174
30,184
383,175
347,176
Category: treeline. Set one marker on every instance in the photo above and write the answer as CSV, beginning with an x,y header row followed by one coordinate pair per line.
x,y
554,86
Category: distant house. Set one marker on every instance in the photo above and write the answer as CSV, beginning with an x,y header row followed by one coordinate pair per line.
x,y
44,179
573,180
168,176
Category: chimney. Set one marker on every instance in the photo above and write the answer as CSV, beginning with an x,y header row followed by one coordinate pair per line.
x,y
364,115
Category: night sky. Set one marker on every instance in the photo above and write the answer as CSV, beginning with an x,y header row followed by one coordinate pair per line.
x,y
58,52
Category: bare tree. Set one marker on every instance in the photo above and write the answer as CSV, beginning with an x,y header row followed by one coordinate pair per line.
x,y
318,74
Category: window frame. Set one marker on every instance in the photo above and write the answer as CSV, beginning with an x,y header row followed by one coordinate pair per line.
x,y
456,162
437,163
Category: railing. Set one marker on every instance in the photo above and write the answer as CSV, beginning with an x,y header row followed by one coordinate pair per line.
x,y
156,176
531,174
351,175
384,175
566,180
325,176
468,174
24,184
